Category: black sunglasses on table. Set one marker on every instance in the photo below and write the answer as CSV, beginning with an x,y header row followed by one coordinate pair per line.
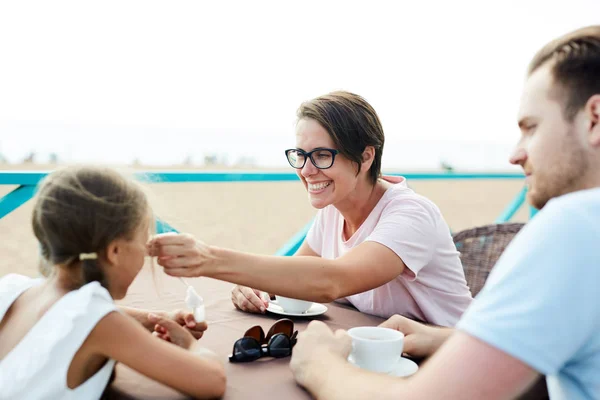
x,y
278,342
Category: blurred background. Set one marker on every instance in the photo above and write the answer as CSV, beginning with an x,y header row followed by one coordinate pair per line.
x,y
215,85
199,83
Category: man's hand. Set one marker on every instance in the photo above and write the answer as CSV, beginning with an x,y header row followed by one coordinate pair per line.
x,y
420,340
316,345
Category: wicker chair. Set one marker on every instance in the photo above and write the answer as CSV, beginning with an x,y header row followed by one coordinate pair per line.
x,y
480,248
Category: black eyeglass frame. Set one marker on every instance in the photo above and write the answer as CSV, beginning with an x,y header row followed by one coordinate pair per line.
x,y
309,154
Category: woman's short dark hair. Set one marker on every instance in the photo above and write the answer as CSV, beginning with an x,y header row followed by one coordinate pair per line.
x,y
352,124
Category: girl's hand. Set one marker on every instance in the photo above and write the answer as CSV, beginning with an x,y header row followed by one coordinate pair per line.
x,y
186,319
169,330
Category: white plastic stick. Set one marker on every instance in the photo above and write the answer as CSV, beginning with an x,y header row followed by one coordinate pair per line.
x,y
194,301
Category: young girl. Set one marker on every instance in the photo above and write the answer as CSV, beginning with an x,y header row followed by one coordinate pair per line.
x,y
61,336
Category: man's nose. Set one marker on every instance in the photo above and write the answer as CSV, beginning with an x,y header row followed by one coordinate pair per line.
x,y
518,157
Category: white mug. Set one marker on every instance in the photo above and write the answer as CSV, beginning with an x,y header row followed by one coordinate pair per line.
x,y
376,349
292,305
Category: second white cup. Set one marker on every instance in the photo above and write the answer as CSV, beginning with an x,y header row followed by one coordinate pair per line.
x,y
376,349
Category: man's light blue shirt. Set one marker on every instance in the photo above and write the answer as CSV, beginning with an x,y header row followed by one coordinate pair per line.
x,y
541,303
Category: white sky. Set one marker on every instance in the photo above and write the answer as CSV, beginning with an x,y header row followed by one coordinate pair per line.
x,y
161,80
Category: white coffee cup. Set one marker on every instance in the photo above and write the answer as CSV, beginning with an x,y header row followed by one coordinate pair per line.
x,y
292,305
376,349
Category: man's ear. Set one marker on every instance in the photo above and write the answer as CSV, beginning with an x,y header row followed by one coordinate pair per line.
x,y
592,111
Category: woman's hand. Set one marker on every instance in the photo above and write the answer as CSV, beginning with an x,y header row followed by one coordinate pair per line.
x,y
420,340
180,254
248,299
171,331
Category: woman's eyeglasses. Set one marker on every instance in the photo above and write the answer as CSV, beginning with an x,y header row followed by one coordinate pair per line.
x,y
321,158
278,342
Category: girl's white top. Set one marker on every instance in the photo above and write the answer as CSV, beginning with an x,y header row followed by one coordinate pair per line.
x,y
36,368
196,303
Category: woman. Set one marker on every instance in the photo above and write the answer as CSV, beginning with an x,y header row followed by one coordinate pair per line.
x,y
374,241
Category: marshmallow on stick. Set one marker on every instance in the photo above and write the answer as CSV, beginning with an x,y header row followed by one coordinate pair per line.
x,y
192,299
196,303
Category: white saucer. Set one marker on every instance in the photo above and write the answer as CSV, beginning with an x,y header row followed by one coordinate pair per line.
x,y
313,311
404,367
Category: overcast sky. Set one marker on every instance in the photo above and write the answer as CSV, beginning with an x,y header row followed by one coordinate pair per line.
x,y
112,81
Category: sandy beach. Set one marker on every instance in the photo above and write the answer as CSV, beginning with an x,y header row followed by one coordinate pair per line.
x,y
259,217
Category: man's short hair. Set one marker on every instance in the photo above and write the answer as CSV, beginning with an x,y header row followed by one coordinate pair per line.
x,y
575,67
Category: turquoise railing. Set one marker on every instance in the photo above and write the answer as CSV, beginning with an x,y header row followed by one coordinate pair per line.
x,y
27,181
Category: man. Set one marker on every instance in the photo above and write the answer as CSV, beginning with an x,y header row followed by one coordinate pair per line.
x,y
539,312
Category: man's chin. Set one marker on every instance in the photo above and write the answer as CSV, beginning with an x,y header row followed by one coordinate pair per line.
x,y
536,200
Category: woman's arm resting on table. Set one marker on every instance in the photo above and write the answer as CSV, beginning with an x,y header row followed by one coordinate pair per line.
x,y
464,368
118,337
